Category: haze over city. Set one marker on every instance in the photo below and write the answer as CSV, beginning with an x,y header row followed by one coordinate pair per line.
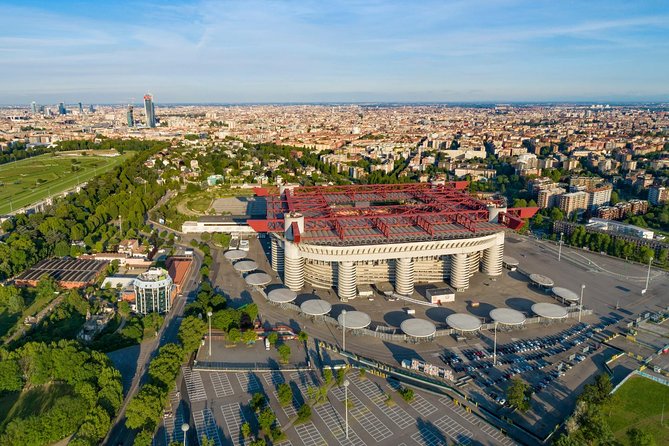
x,y
341,51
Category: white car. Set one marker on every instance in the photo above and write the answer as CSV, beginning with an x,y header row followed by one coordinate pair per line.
x,y
244,245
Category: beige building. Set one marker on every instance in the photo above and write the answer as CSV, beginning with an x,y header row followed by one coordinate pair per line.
x,y
549,197
573,202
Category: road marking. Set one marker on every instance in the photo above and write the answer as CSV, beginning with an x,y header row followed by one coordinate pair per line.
x,y
310,435
234,418
205,425
221,384
337,425
194,385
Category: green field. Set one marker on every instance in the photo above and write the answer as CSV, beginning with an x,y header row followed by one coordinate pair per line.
x,y
30,180
639,403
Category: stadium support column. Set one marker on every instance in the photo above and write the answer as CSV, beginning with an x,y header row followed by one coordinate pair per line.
x,y
293,264
493,257
404,276
346,280
459,276
277,255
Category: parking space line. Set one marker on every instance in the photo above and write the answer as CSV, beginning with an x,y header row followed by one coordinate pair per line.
x,y
427,437
364,416
194,385
221,384
234,418
337,425
310,435
249,382
396,413
172,425
205,425
485,427
455,430
423,406
273,379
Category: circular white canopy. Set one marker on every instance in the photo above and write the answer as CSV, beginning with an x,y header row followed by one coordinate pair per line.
x,y
354,320
281,295
565,294
315,307
463,322
245,266
541,280
235,254
511,261
258,279
549,311
507,316
418,328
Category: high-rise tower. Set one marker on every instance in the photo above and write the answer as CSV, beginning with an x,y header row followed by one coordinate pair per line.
x,y
131,117
33,108
149,111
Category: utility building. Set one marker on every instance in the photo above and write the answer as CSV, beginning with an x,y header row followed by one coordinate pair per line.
x,y
346,236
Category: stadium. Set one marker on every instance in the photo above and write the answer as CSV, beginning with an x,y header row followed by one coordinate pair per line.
x,y
405,234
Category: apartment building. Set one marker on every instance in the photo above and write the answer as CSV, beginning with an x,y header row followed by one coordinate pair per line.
x,y
573,202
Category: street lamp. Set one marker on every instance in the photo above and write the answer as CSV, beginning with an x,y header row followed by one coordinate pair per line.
x,y
580,303
346,384
647,277
560,247
209,314
343,329
494,351
184,429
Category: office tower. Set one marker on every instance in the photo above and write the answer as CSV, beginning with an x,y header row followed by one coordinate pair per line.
x,y
149,111
33,108
81,108
91,109
130,115
61,109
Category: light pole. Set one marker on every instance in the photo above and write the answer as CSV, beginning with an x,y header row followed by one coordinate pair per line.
x,y
580,303
343,329
494,350
346,383
560,247
120,227
209,313
184,429
647,277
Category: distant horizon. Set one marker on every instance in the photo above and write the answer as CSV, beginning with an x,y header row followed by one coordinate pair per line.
x,y
343,51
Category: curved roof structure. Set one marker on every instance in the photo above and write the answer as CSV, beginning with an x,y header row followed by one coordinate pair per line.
x,y
244,266
463,322
565,294
542,280
418,328
354,320
511,261
507,316
258,279
315,307
281,295
235,254
549,311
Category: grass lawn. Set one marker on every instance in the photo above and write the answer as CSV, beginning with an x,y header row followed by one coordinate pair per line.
x,y
639,403
7,321
29,402
32,179
200,204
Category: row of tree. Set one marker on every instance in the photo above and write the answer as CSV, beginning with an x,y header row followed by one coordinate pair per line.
x,y
95,392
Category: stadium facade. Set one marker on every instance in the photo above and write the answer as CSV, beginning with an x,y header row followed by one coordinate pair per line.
x,y
346,236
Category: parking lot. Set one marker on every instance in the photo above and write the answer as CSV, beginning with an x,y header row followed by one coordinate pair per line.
x,y
219,403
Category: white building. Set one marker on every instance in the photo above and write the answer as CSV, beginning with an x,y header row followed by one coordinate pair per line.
x,y
154,291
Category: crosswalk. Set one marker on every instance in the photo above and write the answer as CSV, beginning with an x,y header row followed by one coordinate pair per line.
x,y
194,385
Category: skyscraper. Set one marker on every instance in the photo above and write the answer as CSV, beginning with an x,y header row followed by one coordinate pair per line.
x,y
131,117
61,108
149,111
81,108
91,109
33,108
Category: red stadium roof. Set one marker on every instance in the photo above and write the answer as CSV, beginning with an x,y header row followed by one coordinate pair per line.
x,y
383,213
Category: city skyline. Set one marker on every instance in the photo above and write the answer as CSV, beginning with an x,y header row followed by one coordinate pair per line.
x,y
257,52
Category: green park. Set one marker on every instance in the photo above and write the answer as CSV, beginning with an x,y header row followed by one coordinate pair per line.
x,y
31,180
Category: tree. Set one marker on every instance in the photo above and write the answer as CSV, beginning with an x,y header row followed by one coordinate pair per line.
x,y
11,378
11,299
284,353
257,401
406,393
190,333
145,408
517,394
246,430
341,373
285,394
302,336
258,442
266,418
640,437
249,336
144,438
327,375
304,413
273,337
234,335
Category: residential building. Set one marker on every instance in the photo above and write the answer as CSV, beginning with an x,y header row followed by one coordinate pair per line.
x,y
573,202
658,195
154,291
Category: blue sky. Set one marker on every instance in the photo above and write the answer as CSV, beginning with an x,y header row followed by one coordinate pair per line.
x,y
281,51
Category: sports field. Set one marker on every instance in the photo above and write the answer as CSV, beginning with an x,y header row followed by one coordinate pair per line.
x,y
31,180
643,404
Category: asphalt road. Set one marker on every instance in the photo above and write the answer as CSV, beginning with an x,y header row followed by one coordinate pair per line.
x,y
119,433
